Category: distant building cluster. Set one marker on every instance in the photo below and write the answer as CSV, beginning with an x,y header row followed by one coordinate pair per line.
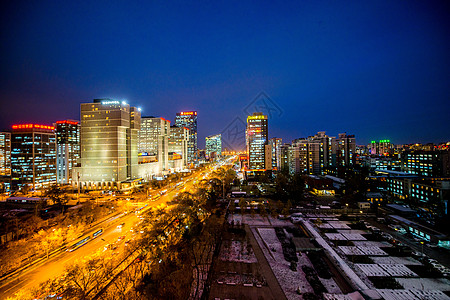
x,y
319,154
415,173
111,147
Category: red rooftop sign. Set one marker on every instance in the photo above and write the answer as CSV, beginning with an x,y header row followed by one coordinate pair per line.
x,y
67,122
188,113
30,126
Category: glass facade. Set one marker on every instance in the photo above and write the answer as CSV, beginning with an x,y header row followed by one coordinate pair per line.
x,y
109,139
214,144
257,138
154,139
178,142
67,149
5,153
188,119
33,156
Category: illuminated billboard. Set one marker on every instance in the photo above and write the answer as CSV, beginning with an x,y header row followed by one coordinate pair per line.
x,y
30,126
188,113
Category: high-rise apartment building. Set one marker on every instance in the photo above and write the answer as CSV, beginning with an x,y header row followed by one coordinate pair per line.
x,y
5,153
33,156
315,153
345,150
214,145
109,142
284,160
67,149
382,147
327,146
178,142
188,119
276,144
298,156
154,139
257,138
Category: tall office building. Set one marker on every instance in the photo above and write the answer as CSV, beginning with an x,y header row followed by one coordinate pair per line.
x,y
188,119
276,144
109,138
214,145
154,139
67,149
257,139
5,153
178,142
33,156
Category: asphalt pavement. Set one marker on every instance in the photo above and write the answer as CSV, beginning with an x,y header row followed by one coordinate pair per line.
x,y
56,265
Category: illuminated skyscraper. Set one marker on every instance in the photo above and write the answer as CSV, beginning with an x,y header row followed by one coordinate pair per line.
x,y
67,149
178,142
154,139
188,119
33,156
275,145
109,143
214,144
5,153
257,139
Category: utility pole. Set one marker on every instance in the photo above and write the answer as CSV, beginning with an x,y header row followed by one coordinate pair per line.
x,y
78,176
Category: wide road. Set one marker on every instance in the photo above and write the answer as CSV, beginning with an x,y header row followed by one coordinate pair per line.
x,y
55,266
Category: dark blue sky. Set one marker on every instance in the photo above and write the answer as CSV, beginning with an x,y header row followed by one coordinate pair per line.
x,y
376,69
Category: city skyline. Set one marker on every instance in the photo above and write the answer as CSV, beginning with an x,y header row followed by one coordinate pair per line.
x,y
225,150
378,71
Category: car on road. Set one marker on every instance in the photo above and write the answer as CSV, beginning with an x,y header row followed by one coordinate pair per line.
x,y
110,247
296,217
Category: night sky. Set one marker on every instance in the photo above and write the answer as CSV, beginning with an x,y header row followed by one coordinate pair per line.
x,y
376,69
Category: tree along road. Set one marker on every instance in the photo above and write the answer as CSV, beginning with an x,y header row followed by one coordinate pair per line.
x,y
55,266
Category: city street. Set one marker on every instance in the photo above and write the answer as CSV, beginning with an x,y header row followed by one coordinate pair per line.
x,y
55,266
